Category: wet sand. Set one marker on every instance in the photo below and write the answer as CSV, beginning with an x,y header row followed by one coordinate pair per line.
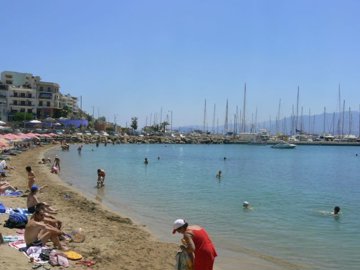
x,y
112,241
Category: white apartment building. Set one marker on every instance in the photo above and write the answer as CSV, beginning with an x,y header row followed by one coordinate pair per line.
x,y
23,92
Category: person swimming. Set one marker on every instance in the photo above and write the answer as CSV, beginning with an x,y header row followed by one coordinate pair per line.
x,y
146,162
218,175
336,211
246,205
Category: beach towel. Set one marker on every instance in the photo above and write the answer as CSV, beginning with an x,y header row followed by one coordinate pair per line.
x,y
18,244
2,208
12,238
24,211
9,193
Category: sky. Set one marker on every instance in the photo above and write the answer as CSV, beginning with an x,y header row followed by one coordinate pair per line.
x,y
153,59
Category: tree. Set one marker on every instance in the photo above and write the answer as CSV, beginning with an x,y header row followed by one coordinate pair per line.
x,y
21,116
134,123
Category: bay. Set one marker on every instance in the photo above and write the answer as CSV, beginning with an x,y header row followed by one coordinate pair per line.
x,y
292,193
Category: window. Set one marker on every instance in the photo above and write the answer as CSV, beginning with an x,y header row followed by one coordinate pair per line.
x,y
22,103
29,110
40,103
15,102
15,94
48,103
22,94
22,110
41,88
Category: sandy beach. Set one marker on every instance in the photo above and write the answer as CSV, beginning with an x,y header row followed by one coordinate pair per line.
x,y
112,241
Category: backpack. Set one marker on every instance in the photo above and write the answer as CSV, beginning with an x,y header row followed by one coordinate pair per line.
x,y
16,220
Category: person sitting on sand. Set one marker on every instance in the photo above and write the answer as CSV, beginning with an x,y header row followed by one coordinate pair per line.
x,y
38,233
3,168
32,201
49,219
101,177
31,177
42,161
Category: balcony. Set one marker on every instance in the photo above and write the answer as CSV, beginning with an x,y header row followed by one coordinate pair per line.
x,y
21,105
17,96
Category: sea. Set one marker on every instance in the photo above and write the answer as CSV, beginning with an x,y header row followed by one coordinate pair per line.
x,y
292,193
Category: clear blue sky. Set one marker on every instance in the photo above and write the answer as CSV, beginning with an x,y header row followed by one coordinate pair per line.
x,y
132,58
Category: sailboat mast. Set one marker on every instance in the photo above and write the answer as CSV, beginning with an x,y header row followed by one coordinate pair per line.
x,y
213,122
350,121
339,116
297,110
204,124
309,128
226,118
244,111
324,120
343,119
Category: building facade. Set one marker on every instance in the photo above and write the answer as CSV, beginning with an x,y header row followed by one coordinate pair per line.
x,y
26,93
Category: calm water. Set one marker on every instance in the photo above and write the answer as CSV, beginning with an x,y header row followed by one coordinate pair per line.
x,y
290,191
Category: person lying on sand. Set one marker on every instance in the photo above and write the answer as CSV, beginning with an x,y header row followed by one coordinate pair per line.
x,y
4,186
32,201
38,233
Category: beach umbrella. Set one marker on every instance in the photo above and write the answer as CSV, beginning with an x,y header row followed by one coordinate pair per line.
x,y
2,123
3,144
35,121
49,119
10,136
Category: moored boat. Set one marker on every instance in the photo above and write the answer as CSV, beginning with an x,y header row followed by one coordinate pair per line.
x,y
283,145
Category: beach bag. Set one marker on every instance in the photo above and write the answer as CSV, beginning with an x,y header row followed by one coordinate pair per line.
x,y
56,259
45,254
16,220
183,260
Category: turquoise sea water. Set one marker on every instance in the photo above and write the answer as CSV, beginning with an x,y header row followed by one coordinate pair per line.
x,y
291,192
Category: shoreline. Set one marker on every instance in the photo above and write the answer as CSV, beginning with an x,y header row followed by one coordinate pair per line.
x,y
112,241
111,238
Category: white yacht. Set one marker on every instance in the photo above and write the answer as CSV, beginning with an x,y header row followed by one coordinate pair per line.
x,y
283,145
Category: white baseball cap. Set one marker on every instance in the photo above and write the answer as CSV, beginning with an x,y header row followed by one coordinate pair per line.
x,y
178,223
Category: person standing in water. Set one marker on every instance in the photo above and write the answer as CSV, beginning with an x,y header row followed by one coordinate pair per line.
x,y
101,178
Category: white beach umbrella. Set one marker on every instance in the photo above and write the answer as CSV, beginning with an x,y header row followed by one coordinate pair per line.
x,y
2,123
35,122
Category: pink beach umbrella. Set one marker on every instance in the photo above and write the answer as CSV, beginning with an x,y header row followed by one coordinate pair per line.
x,y
3,145
11,137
